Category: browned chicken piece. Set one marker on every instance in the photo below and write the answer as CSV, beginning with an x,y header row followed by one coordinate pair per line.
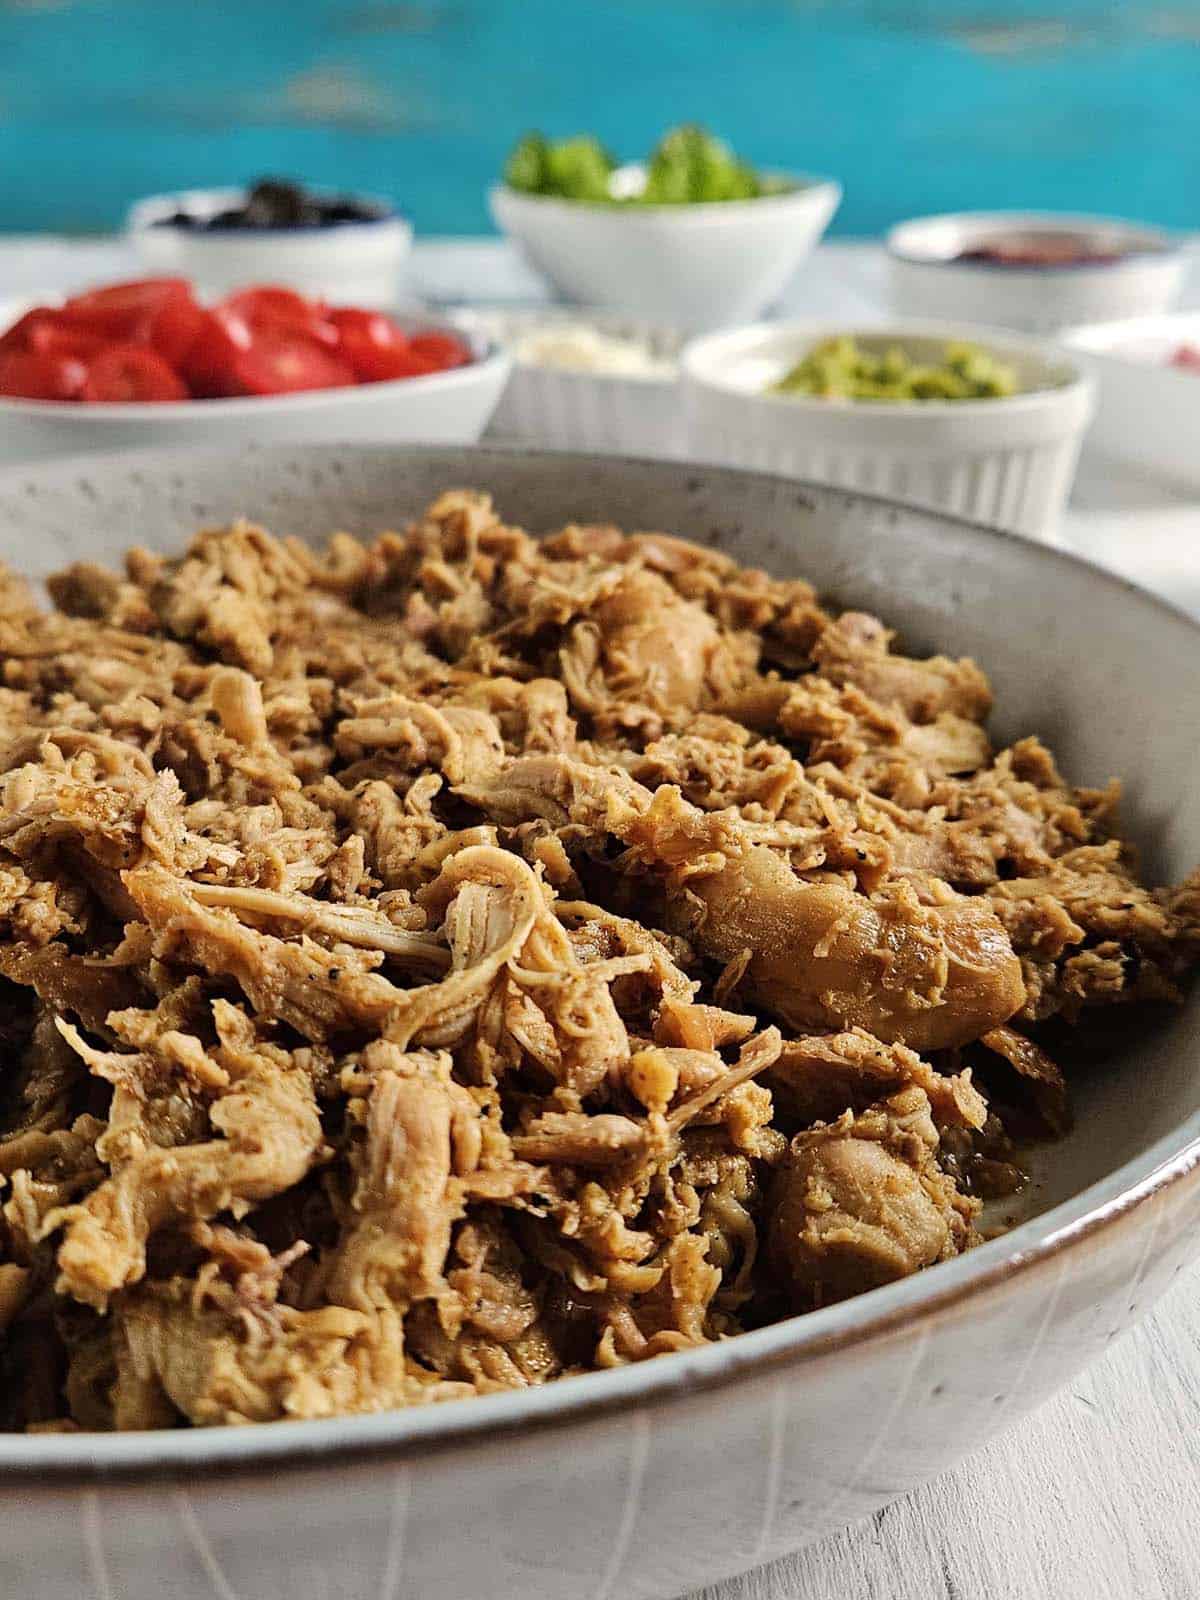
x,y
270,1135
861,1201
856,649
818,1077
931,975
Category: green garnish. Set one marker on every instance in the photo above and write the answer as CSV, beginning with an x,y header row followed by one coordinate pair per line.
x,y
688,166
840,369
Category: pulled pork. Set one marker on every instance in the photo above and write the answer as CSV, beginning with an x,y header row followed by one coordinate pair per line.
x,y
434,966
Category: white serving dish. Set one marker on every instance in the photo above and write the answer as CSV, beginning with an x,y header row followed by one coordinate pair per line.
x,y
1147,412
1009,462
661,1478
445,407
585,410
353,263
926,280
696,265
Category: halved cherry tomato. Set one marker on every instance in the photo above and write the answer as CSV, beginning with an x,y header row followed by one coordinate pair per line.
x,y
32,375
124,310
173,329
132,372
279,362
443,349
17,337
210,364
373,345
49,335
283,310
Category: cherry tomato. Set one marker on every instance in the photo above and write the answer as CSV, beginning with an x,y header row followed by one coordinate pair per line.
x,y
210,364
36,376
279,362
443,349
270,307
17,337
125,310
132,372
173,329
49,335
373,345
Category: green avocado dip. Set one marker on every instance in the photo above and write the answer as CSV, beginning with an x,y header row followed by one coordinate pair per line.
x,y
840,369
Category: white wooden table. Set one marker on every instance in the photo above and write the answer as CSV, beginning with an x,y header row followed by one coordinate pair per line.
x,y
1097,1496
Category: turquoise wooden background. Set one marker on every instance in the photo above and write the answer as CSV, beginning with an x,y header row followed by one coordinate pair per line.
x,y
917,107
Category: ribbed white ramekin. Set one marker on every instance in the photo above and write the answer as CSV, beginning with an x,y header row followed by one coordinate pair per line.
x,y
585,410
1009,462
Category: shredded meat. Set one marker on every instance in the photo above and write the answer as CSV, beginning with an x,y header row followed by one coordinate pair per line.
x,y
436,965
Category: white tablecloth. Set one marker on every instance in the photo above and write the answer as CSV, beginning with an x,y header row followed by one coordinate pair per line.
x,y
1097,1495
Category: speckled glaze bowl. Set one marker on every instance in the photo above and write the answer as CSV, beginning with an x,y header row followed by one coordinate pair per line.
x,y
652,1480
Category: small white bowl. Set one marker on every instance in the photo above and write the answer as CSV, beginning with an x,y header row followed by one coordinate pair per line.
x,y
698,265
1008,461
450,407
356,263
1147,412
629,414
927,279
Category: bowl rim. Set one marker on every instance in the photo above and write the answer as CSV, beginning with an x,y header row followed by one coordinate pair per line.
x,y
1005,342
806,187
1172,1159
154,211
492,355
1160,244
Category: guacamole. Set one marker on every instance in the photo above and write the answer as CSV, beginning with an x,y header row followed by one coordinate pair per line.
x,y
840,369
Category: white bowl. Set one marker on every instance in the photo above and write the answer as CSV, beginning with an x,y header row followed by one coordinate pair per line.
x,y
354,263
450,407
1147,412
664,1477
927,281
697,265
1008,461
585,410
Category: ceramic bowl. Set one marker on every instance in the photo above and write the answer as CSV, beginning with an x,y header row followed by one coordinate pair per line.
x,y
928,281
1006,461
633,414
449,407
700,266
1148,410
657,1479
354,263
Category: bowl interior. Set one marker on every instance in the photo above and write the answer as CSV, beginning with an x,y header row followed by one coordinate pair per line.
x,y
510,326
1036,619
943,239
751,360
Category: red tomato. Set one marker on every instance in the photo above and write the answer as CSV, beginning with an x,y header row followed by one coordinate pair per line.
x,y
16,337
49,335
174,328
125,310
36,376
210,364
279,362
270,307
442,349
373,345
132,372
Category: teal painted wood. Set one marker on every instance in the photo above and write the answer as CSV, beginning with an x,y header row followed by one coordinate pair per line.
x,y
1067,104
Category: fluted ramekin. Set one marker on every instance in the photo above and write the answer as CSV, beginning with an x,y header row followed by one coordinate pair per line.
x,y
1008,461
